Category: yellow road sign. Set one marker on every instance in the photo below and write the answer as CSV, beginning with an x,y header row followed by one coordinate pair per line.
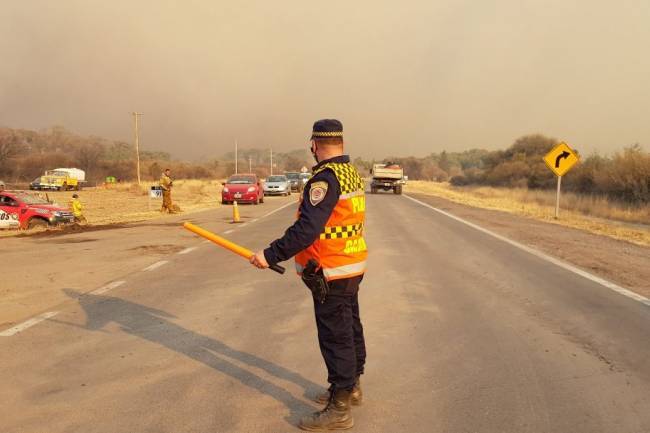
x,y
561,159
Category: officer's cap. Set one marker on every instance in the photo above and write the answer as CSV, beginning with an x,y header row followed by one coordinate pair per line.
x,y
326,128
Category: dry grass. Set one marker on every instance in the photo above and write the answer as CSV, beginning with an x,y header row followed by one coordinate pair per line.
x,y
594,214
128,202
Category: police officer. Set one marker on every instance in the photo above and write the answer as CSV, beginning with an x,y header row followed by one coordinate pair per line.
x,y
330,254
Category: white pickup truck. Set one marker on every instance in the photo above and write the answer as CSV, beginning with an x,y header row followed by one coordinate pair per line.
x,y
387,177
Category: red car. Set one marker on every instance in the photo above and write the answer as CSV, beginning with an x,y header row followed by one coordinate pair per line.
x,y
242,188
33,211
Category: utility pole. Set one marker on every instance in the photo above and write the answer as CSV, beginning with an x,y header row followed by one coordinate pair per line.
x,y
236,157
250,167
271,161
136,140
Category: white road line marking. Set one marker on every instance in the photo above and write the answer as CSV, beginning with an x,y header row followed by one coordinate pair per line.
x,y
155,265
291,203
227,232
187,250
253,220
541,255
107,287
28,324
243,225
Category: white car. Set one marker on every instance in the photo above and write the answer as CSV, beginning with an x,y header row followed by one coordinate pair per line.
x,y
277,185
8,220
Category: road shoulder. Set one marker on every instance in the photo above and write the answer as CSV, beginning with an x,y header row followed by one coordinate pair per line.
x,y
621,262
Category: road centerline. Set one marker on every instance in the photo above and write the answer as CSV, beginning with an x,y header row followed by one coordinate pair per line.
x,y
107,287
155,265
28,324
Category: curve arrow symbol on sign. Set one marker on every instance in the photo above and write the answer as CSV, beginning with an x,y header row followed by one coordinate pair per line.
x,y
562,155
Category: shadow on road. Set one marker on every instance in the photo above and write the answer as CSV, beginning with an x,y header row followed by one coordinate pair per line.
x,y
153,325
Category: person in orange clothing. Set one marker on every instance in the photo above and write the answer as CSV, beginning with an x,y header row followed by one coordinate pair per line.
x,y
330,254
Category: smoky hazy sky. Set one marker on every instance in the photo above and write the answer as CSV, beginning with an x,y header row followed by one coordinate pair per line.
x,y
406,78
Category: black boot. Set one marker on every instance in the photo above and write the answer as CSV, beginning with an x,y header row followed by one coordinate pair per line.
x,y
336,415
356,396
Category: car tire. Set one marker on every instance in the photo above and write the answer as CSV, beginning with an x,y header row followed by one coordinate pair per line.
x,y
37,223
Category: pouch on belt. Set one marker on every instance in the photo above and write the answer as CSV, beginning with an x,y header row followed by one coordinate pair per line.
x,y
314,279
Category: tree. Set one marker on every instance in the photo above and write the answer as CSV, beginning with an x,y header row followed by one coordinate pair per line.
x,y
88,155
9,147
155,171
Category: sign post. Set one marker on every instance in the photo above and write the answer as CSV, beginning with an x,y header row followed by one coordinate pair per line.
x,y
560,160
154,192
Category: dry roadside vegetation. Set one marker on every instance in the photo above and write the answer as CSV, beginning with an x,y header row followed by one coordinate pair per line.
x,y
128,202
595,214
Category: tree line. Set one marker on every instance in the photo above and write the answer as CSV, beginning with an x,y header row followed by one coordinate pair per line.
x,y
623,176
26,154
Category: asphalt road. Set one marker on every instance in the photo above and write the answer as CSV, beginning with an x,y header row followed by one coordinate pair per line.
x,y
465,333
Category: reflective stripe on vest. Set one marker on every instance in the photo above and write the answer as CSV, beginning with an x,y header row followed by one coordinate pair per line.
x,y
340,249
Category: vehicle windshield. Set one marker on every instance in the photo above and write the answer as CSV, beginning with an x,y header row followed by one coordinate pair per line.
x,y
293,175
55,173
276,179
241,180
305,175
31,199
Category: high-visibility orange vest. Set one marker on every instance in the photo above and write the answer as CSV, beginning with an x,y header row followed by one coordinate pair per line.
x,y
341,250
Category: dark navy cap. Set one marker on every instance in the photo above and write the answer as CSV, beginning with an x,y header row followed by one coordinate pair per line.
x,y
326,128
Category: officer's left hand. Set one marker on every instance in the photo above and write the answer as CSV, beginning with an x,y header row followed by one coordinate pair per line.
x,y
259,260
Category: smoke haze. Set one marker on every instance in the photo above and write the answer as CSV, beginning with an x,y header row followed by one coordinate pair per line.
x,y
406,78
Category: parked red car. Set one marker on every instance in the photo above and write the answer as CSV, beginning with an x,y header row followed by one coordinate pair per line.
x,y
242,188
32,210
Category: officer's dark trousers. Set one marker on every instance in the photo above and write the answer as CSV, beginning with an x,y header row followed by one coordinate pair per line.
x,y
340,333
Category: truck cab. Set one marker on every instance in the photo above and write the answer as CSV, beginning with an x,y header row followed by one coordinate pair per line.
x,y
32,211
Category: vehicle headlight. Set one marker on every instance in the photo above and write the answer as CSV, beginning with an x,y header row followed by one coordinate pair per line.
x,y
251,188
225,189
58,214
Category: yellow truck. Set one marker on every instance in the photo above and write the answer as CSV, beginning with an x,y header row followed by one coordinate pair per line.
x,y
61,179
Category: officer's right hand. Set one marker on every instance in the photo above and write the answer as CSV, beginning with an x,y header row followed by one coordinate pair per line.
x,y
258,260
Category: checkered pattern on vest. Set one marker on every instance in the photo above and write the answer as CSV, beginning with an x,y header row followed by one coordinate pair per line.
x,y
342,232
346,174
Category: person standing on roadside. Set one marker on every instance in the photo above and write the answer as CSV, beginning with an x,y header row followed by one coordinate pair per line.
x,y
166,184
330,253
77,209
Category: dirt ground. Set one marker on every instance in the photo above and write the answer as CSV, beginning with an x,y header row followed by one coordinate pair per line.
x,y
624,263
580,212
128,202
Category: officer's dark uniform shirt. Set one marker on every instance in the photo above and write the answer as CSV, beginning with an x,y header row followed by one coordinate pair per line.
x,y
312,220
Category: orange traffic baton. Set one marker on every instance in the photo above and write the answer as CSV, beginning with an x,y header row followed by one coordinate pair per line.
x,y
225,243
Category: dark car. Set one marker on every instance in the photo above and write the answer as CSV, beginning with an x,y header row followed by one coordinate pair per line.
x,y
242,188
36,184
295,181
